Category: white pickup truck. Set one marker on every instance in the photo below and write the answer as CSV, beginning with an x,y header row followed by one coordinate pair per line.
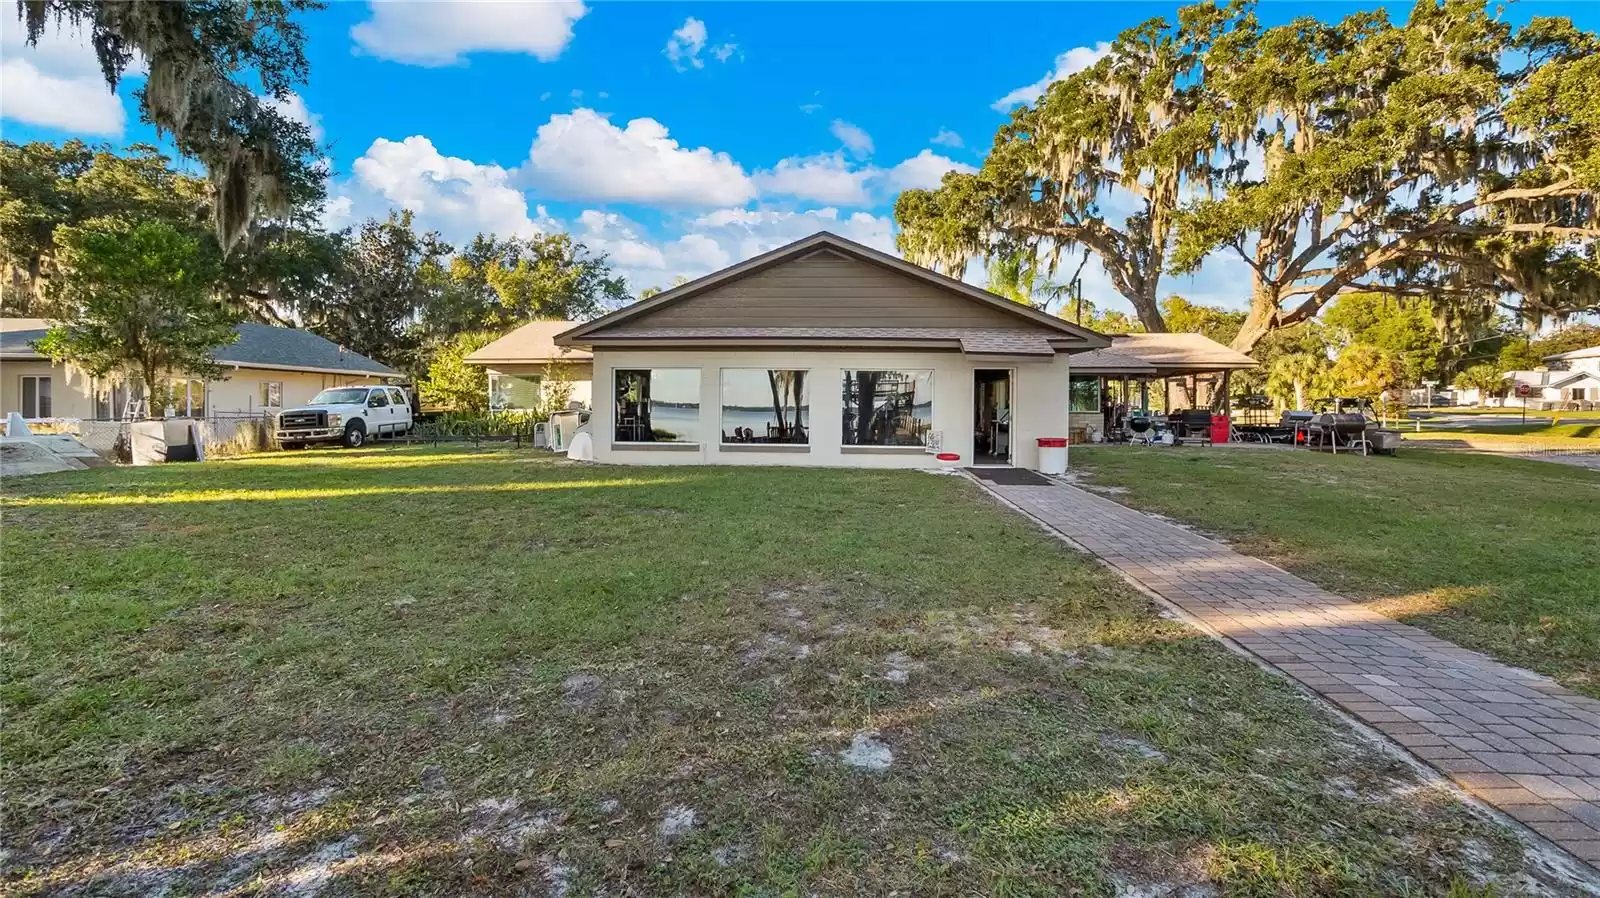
x,y
348,415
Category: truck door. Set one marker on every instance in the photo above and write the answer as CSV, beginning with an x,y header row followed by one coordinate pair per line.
x,y
402,410
379,413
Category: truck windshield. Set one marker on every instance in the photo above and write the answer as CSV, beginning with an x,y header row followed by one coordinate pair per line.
x,y
345,396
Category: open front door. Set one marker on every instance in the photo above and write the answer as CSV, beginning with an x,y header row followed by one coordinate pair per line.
x,y
991,409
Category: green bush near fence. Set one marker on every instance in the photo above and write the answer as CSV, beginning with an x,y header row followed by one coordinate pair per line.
x,y
485,425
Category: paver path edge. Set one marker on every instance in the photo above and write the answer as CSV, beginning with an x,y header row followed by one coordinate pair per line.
x,y
1518,741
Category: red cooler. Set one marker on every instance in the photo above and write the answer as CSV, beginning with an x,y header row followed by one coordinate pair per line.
x,y
1219,428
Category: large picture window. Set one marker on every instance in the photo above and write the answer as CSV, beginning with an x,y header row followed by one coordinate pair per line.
x,y
514,391
658,405
1085,392
761,405
887,408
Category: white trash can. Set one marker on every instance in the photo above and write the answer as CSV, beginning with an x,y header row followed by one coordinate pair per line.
x,y
1052,455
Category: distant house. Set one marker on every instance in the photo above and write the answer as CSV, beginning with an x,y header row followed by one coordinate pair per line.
x,y
1569,380
268,368
521,363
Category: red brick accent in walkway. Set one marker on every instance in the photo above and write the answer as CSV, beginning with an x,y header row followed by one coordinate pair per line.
x,y
1513,738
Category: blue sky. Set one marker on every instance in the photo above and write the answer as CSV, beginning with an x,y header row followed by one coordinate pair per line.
x,y
676,137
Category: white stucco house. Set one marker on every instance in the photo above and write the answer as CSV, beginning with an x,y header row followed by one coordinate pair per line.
x,y
821,352
268,368
523,365
1570,380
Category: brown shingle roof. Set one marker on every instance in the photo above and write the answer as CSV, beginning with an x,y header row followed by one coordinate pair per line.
x,y
1109,361
1006,343
1180,353
532,343
993,340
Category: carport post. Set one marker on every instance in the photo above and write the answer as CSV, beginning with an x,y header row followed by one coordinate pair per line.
x,y
1227,395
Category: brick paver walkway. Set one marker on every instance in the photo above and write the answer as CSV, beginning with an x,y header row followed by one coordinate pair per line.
x,y
1515,739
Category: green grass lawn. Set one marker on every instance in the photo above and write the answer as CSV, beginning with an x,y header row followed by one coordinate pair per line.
x,y
1564,414
433,672
1541,434
1497,554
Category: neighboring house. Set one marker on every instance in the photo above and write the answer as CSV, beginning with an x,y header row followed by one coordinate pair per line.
x,y
268,368
827,352
522,364
1572,380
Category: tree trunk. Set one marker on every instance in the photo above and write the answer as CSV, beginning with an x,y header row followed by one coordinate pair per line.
x,y
1147,307
1299,394
1261,320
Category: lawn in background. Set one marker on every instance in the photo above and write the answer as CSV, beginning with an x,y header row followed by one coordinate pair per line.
x,y
418,672
1496,554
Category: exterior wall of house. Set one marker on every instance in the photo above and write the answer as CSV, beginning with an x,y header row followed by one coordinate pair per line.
x,y
579,374
237,393
69,388
1039,406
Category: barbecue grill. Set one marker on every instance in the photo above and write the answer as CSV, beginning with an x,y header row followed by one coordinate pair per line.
x,y
1336,430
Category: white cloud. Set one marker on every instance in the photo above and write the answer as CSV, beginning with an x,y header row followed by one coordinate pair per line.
x,y
947,138
809,108
686,43
455,196
57,84
826,178
853,137
294,109
645,261
750,232
924,171
1075,60
434,34
583,156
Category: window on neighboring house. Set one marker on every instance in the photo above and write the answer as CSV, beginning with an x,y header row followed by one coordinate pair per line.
x,y
514,392
658,405
1085,394
761,405
36,402
887,408
1577,393
188,398
111,398
271,394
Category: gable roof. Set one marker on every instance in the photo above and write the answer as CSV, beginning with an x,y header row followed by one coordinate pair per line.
x,y
532,343
293,349
1024,318
1179,353
1563,379
258,346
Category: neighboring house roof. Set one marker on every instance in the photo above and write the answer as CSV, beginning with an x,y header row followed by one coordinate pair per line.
x,y
1589,352
1564,379
827,290
258,346
17,336
1110,361
532,343
1174,354
292,349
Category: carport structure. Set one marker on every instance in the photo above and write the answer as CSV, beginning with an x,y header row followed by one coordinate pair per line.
x,y
1146,359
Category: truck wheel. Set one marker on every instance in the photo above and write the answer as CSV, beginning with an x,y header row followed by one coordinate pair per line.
x,y
355,435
